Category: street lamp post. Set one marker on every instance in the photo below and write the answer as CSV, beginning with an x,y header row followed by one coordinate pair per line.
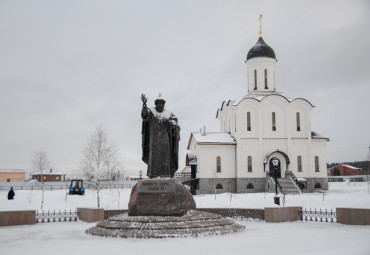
x,y
140,174
275,163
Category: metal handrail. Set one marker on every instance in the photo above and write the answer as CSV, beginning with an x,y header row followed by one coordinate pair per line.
x,y
295,180
280,189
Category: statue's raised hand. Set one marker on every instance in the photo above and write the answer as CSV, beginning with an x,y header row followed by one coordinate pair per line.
x,y
144,99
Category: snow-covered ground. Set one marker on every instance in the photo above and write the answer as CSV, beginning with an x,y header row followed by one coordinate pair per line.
x,y
258,238
343,194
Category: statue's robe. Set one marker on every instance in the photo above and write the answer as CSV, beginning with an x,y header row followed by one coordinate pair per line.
x,y
160,143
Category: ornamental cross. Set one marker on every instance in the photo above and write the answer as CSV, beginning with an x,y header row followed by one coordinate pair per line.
x,y
260,20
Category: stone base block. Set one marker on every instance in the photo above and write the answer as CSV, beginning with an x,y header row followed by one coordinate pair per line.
x,y
282,214
12,218
160,197
353,216
90,214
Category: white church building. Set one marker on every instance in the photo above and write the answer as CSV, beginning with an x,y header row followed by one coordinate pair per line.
x,y
262,126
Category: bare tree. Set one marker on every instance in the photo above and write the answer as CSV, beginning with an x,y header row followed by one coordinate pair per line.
x,y
99,160
40,164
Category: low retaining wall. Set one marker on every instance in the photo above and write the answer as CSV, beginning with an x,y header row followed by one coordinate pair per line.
x,y
353,216
282,214
90,214
12,218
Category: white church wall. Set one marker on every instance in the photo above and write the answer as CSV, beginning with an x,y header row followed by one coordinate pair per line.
x,y
260,64
207,156
269,106
299,147
246,148
242,109
304,109
227,118
319,149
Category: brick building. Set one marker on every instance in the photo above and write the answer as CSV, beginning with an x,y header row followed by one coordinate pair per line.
x,y
12,175
343,170
49,176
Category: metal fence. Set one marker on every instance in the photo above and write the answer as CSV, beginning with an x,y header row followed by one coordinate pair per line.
x,y
59,216
5,186
318,215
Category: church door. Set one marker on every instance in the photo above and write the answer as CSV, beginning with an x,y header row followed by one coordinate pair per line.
x,y
272,169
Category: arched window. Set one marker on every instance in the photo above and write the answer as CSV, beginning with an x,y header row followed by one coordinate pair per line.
x,y
299,163
266,87
218,164
250,186
249,164
317,169
298,121
249,121
255,79
219,186
317,185
235,124
273,122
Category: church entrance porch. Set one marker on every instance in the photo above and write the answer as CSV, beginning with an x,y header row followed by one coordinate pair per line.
x,y
275,172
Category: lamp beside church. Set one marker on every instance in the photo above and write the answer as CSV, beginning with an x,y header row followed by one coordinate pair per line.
x,y
275,163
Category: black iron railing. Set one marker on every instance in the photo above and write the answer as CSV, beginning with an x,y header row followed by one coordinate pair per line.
x,y
318,215
56,216
295,180
280,189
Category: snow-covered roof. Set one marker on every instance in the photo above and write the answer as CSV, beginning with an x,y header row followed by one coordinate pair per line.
x,y
352,167
46,172
193,162
259,98
348,166
138,177
315,135
213,138
301,179
12,171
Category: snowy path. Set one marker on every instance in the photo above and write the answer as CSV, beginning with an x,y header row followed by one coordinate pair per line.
x,y
258,238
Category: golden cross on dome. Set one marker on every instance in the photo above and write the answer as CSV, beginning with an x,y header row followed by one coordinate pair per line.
x,y
260,20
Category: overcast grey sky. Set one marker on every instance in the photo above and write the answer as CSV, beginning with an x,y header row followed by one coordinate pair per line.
x,y
68,66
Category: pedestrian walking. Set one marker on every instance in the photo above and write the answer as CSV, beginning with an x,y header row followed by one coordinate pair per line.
x,y
11,194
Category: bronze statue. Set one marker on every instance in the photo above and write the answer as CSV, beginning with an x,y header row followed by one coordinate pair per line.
x,y
160,139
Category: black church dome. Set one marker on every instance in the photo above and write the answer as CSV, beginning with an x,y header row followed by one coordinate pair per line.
x,y
261,49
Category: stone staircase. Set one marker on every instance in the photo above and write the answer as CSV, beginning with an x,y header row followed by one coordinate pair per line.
x,y
288,186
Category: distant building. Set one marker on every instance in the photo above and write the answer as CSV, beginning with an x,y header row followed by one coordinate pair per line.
x,y
118,176
49,176
136,178
12,175
183,174
344,170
